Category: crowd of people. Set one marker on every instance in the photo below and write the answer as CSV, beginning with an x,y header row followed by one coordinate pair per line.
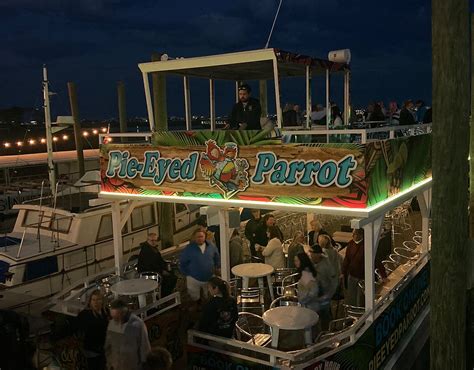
x,y
246,113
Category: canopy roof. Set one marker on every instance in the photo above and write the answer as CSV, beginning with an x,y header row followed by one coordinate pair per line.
x,y
246,65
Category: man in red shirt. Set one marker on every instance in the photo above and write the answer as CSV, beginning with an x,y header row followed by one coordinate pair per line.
x,y
353,269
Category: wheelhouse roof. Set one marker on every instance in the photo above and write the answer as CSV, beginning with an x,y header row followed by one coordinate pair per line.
x,y
246,65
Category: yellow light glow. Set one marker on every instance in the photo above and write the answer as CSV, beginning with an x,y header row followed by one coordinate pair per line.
x,y
55,138
103,129
95,131
42,140
65,137
32,142
355,212
108,140
19,143
6,145
85,134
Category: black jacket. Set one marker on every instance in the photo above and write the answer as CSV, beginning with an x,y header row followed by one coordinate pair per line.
x,y
150,259
94,329
406,118
250,115
219,316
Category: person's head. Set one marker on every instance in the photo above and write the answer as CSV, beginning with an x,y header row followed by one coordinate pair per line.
x,y
95,301
316,253
158,359
420,103
255,214
393,106
288,107
324,241
269,220
408,104
152,239
298,237
218,287
273,232
319,107
357,235
244,93
118,310
335,111
370,107
202,222
303,262
316,225
199,236
296,108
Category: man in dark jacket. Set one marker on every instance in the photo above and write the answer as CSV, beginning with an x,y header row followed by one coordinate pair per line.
x,y
246,113
150,259
406,114
251,230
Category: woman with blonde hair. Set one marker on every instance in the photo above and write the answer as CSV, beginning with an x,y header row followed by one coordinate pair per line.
x,y
296,247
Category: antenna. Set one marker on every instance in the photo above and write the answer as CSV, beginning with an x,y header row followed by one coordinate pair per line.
x,y
273,25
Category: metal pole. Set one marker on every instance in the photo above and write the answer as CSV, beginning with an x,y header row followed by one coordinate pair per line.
x,y
346,98
277,94
49,135
149,105
71,86
224,234
262,91
117,234
187,103
122,107
308,96
328,107
158,80
212,104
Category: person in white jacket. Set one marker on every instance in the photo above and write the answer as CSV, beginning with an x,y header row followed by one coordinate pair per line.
x,y
273,252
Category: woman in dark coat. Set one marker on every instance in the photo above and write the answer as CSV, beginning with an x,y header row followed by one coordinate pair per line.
x,y
92,324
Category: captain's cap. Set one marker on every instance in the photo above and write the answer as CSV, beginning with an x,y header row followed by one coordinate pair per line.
x,y
245,87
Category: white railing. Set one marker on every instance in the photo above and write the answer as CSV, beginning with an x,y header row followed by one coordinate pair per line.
x,y
145,135
300,359
364,133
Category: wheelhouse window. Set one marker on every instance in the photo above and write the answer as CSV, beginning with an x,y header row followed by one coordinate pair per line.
x,y
61,223
105,228
32,218
143,216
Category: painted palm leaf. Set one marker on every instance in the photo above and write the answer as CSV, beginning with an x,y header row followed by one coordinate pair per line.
x,y
297,200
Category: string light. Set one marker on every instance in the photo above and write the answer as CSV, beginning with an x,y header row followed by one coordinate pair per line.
x,y
65,137
55,138
85,134
42,140
6,145
107,140
19,143
103,129
95,131
32,142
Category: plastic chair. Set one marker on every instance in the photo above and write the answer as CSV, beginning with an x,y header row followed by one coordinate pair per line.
x,y
252,326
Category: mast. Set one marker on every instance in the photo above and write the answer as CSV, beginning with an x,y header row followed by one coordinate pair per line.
x,y
49,136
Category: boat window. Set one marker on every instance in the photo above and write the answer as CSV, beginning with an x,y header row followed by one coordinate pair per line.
x,y
180,208
4,271
39,268
61,223
105,227
142,217
32,218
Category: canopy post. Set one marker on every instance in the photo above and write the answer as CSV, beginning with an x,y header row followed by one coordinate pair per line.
x,y
308,97
149,105
224,243
328,103
347,108
424,201
371,238
187,103
212,104
117,234
277,94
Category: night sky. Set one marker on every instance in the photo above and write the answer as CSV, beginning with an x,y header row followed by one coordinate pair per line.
x,y
98,42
